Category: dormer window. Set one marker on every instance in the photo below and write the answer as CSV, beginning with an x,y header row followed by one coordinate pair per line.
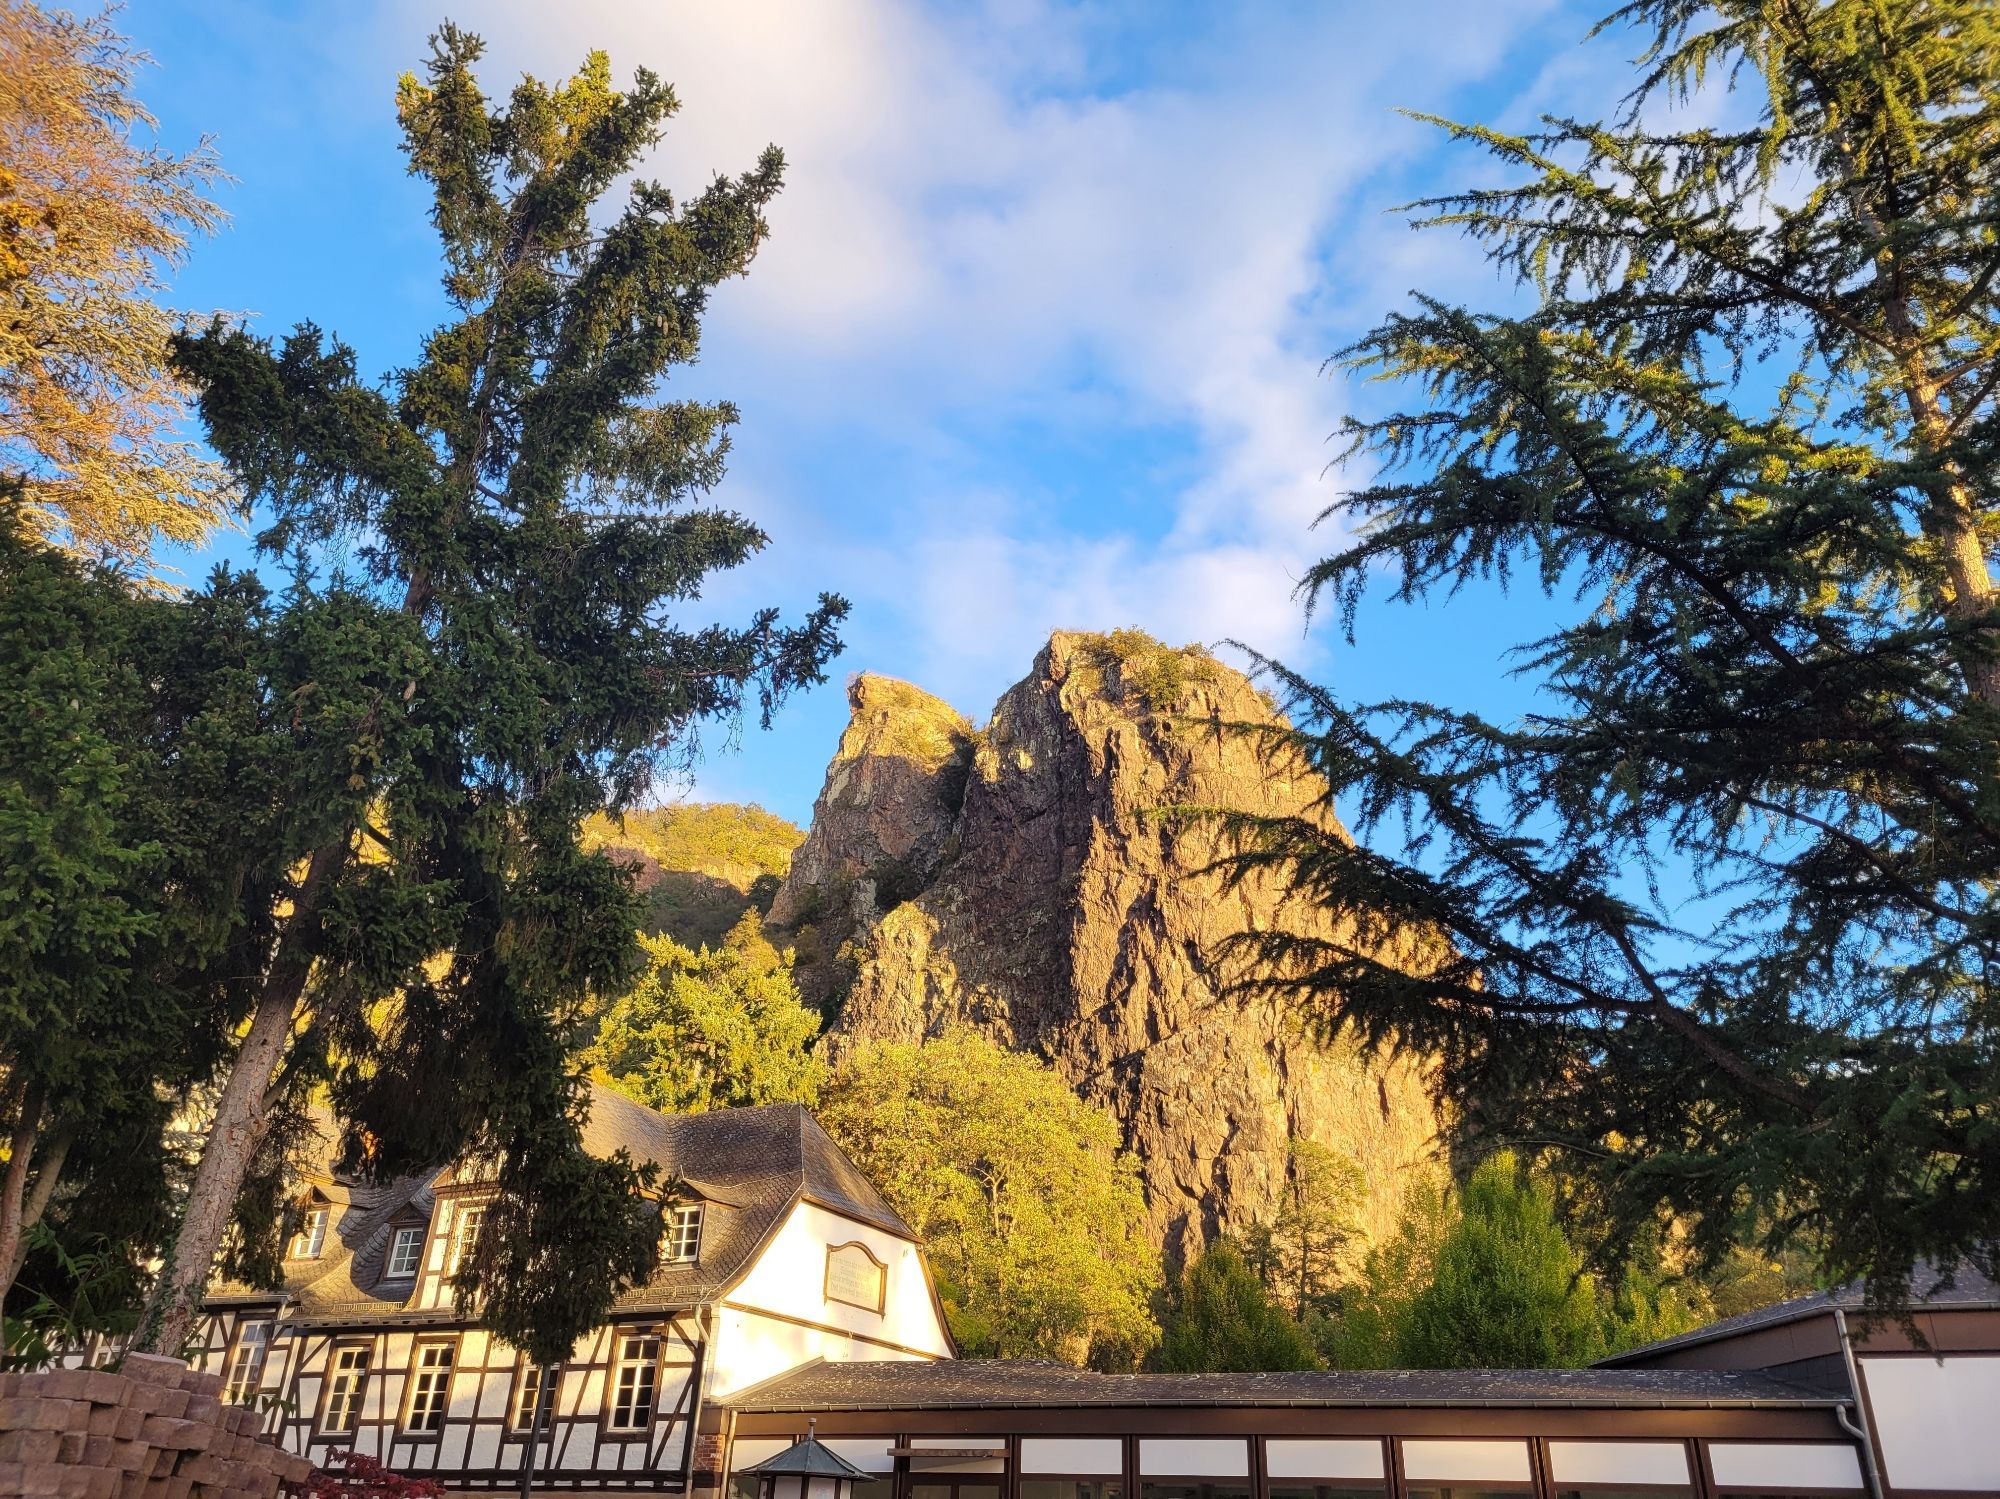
x,y
406,1250
683,1233
311,1237
465,1239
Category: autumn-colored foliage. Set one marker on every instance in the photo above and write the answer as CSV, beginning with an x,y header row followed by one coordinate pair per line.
x,y
355,1475
91,219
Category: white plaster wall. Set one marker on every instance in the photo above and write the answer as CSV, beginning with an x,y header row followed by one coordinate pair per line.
x,y
750,1348
789,1278
1938,1420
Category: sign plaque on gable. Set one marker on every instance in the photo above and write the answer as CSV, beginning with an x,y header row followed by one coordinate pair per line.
x,y
855,1277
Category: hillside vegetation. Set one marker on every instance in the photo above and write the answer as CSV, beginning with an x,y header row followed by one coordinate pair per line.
x,y
701,864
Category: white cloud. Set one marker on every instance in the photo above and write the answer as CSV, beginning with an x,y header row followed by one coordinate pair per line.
x,y
989,228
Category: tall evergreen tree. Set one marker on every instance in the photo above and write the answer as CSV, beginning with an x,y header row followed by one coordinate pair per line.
x,y
1218,1316
496,662
1718,914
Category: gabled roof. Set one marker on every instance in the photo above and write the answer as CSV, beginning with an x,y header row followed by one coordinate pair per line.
x,y
1969,1290
979,1384
749,1166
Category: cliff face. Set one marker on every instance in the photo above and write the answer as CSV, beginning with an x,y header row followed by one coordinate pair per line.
x,y
1018,880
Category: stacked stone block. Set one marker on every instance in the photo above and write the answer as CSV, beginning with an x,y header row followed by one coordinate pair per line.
x,y
155,1430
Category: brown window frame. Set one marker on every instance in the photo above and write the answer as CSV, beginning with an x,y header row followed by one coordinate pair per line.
x,y
321,1426
404,1426
232,1393
553,1373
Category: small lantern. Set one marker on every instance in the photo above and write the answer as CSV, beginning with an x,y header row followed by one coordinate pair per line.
x,y
807,1470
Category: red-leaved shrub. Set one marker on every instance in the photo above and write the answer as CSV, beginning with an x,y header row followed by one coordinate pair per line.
x,y
355,1475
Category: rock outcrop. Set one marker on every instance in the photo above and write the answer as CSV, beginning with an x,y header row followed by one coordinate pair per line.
x,y
1022,880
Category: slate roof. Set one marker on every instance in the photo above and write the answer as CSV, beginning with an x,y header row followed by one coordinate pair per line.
x,y
1016,1383
1970,1290
748,1165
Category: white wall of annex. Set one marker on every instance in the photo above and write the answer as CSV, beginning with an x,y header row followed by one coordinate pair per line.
x,y
750,1348
789,1279
1936,1420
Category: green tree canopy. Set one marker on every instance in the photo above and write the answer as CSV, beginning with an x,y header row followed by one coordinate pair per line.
x,y
710,1028
481,646
1507,1289
1219,1316
1032,1215
1717,912
1299,1255
1486,1277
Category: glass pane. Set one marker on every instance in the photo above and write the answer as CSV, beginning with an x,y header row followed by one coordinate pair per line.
x,y
1464,1491
1194,1488
1071,1488
930,1491
1645,1491
1347,1489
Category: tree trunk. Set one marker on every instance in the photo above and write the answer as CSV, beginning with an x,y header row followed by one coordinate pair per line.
x,y
14,1185
242,1116
48,1172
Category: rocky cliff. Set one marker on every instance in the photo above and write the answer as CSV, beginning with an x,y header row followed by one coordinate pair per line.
x,y
1019,878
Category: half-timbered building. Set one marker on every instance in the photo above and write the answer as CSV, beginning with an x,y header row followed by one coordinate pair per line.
x,y
778,1253
792,1298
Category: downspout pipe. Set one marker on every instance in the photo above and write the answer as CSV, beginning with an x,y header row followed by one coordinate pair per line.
x,y
1856,1424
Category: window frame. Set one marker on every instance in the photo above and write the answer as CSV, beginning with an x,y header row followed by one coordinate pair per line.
x,y
233,1392
400,1234
460,1249
309,1243
413,1383
526,1370
619,1364
679,1216
322,1422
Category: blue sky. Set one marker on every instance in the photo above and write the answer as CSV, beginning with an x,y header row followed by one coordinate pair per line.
x,y
1037,340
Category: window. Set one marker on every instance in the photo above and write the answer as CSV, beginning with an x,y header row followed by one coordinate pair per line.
x,y
311,1237
1620,1470
530,1390
634,1382
1071,1488
466,1237
246,1362
406,1248
430,1387
1466,1469
344,1382
1325,1468
684,1234
1194,1468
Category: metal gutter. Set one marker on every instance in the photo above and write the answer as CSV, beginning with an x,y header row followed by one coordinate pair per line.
x,y
1870,1471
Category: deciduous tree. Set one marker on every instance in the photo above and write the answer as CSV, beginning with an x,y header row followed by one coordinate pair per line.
x,y
711,1028
1032,1215
91,221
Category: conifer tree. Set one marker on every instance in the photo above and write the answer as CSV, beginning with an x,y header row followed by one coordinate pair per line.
x,y
1718,914
1218,1317
477,653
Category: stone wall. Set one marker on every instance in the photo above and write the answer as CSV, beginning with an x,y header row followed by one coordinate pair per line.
x,y
155,1430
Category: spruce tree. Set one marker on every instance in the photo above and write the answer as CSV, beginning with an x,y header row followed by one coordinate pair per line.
x,y
1218,1317
480,649
1716,917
